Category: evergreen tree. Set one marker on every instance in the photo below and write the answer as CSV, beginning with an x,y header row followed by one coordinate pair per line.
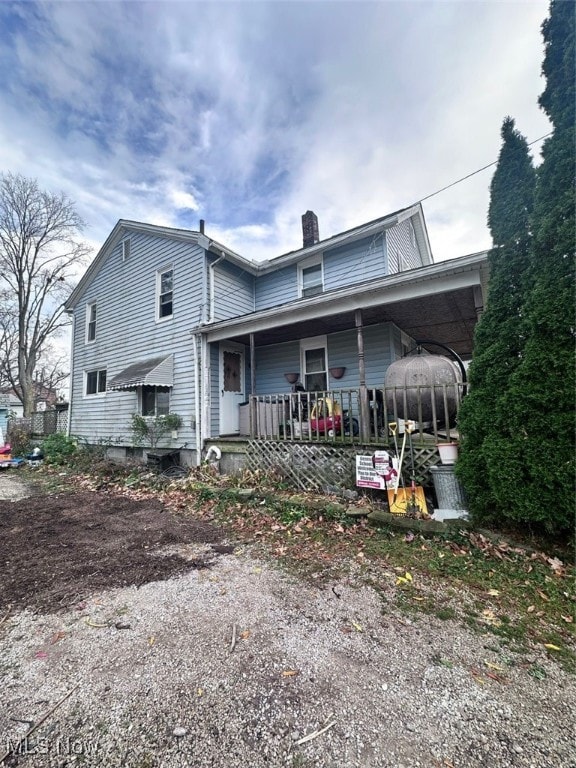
x,y
499,337
541,394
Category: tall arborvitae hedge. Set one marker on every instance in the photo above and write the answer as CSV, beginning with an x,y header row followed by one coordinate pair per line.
x,y
542,390
526,464
499,335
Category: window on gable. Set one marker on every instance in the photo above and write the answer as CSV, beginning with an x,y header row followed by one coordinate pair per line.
x,y
155,401
96,382
91,321
125,249
164,288
412,235
311,278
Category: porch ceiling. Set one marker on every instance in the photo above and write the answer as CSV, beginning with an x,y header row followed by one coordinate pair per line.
x,y
447,317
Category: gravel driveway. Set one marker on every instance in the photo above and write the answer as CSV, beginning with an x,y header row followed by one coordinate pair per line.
x,y
236,664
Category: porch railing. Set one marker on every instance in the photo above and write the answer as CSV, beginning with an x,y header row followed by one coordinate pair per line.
x,y
358,415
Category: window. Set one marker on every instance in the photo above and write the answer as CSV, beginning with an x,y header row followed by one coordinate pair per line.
x,y
155,401
164,291
96,382
125,249
313,352
310,277
91,321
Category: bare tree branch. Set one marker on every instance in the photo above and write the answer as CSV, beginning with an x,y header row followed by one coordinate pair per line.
x,y
39,252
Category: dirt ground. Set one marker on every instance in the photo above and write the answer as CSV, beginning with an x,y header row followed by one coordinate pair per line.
x,y
133,637
57,550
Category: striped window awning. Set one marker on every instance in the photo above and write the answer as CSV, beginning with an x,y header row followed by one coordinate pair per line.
x,y
156,372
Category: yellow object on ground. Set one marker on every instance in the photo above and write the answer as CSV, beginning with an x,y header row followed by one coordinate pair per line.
x,y
407,500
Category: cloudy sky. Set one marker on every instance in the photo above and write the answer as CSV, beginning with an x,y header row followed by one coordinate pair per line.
x,y
246,114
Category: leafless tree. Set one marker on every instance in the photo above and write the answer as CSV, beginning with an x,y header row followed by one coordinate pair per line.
x,y
39,255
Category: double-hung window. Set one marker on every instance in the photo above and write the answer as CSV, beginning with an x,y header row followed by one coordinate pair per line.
x,y
164,293
155,401
313,362
311,277
96,382
91,321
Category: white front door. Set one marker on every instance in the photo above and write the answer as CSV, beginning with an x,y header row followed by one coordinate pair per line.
x,y
231,387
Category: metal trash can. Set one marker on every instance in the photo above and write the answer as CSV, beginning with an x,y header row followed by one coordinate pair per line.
x,y
449,492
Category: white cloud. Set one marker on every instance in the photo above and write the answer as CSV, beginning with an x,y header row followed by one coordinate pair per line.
x,y
247,114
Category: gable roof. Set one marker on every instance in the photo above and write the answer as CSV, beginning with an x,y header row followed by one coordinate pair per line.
x,y
125,226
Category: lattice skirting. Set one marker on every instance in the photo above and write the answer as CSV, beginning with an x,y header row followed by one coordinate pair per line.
x,y
312,467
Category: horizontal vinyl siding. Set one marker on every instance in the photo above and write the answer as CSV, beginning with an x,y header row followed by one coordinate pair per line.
x,y
127,332
275,288
272,362
398,240
233,291
354,263
343,350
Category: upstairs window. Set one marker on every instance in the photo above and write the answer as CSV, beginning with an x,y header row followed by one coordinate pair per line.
x,y
91,321
311,278
125,249
155,401
96,382
164,286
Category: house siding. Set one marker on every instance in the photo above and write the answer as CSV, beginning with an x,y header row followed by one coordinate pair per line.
x,y
398,240
355,263
274,288
127,331
275,360
233,291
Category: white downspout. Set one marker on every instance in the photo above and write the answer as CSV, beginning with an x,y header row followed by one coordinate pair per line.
x,y
70,398
197,410
205,390
211,286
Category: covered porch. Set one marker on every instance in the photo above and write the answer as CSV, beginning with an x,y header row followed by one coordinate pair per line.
x,y
331,351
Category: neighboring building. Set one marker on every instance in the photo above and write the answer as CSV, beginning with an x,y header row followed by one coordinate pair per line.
x,y
170,320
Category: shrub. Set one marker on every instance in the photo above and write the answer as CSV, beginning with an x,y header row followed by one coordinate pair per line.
x,y
58,448
151,429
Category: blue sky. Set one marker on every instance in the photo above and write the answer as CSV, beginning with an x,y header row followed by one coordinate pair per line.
x,y
246,114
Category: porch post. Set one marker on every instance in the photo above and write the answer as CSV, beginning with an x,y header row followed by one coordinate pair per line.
x,y
252,386
363,394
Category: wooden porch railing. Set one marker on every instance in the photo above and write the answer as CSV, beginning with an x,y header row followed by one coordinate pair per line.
x,y
336,415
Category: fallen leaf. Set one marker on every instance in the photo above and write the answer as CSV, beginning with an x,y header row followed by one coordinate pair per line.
x,y
568,619
57,636
408,576
245,634
151,640
289,672
493,592
493,666
552,647
200,691
357,626
41,655
543,596
531,608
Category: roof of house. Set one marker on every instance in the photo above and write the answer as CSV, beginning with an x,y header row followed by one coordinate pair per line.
x,y
413,212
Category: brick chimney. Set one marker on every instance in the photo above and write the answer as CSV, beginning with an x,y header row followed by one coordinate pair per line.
x,y
310,228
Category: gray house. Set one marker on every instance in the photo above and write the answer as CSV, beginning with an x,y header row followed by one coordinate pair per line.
x,y
169,320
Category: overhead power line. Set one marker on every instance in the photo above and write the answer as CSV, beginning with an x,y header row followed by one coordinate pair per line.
x,y
453,184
